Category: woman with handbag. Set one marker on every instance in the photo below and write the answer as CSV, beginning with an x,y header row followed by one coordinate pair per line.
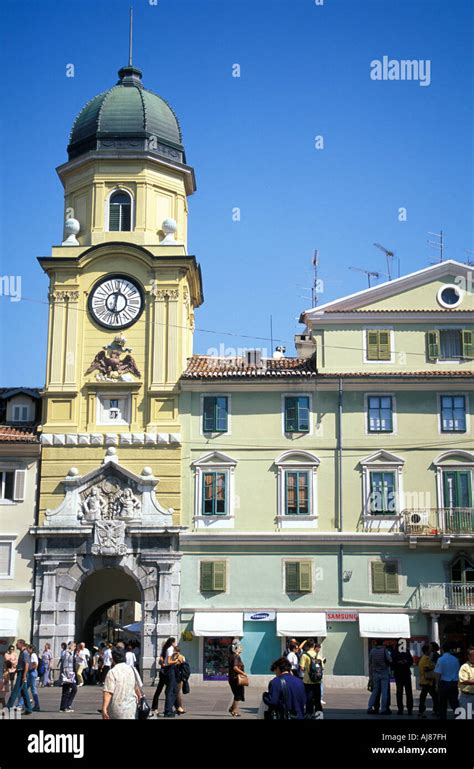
x,y
178,660
237,678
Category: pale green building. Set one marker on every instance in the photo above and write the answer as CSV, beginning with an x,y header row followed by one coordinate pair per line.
x,y
331,495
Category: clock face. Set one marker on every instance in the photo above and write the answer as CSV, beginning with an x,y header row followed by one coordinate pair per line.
x,y
116,301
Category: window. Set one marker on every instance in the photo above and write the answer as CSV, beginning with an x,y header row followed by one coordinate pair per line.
x,y
113,410
297,414
7,486
380,413
457,488
21,413
6,559
120,208
384,577
298,577
450,296
297,492
453,414
382,493
214,414
462,571
214,493
213,577
378,345
450,344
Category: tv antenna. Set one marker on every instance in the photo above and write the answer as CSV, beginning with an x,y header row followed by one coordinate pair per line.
x,y
314,287
438,244
370,273
470,259
390,255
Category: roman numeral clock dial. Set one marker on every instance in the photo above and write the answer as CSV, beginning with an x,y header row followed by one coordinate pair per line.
x,y
116,302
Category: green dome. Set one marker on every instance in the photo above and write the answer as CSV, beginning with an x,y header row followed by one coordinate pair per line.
x,y
127,117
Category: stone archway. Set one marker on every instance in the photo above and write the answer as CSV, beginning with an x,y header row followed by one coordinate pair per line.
x,y
100,590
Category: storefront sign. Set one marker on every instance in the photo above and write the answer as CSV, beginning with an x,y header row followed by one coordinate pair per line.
x,y
342,616
260,616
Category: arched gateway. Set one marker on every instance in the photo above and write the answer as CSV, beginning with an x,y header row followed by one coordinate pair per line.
x,y
110,539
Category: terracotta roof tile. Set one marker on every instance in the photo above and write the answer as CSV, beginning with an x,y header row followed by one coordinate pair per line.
x,y
398,309
207,367
10,434
400,374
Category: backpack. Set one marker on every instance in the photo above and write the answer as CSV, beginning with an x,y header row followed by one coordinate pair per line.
x,y
315,671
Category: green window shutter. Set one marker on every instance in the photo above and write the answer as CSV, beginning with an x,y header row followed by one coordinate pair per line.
x,y
114,218
220,570
292,577
372,345
305,577
207,576
432,343
467,344
391,577
221,414
384,345
378,577
208,415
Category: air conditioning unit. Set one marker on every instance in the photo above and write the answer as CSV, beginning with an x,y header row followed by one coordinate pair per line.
x,y
419,521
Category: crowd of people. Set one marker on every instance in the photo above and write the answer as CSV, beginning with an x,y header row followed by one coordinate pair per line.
x,y
296,691
441,677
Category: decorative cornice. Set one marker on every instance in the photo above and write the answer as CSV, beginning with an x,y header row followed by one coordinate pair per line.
x,y
110,439
165,294
62,296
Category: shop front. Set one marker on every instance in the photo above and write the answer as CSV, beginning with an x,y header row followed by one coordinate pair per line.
x,y
216,631
8,628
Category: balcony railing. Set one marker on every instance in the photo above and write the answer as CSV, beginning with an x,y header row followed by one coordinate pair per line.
x,y
445,596
438,520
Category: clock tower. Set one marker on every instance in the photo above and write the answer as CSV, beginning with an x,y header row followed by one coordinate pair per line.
x,y
123,290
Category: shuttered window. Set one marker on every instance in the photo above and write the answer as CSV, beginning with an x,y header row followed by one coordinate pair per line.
x,y
450,344
215,413
120,208
384,577
5,559
378,345
297,414
298,577
213,576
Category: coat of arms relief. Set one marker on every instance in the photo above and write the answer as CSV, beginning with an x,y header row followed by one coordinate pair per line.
x,y
109,505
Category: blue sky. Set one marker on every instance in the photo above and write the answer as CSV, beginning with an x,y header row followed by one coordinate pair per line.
x,y
305,71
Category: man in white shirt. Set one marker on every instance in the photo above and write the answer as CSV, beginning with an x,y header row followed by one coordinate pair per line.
x,y
84,654
107,661
130,656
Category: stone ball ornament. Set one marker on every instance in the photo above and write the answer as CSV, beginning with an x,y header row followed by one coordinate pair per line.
x,y
73,472
147,472
71,228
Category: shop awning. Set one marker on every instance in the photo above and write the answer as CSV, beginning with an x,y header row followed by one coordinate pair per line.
x,y
219,624
298,624
8,623
384,626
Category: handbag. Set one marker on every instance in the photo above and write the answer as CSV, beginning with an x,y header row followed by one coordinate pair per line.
x,y
370,685
242,679
143,708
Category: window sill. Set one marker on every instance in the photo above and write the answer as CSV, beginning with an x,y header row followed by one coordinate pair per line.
x,y
302,517
214,517
8,502
382,517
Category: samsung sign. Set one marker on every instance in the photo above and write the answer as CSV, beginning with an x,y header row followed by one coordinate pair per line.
x,y
260,616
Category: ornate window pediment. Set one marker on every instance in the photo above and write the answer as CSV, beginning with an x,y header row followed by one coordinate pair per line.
x,y
382,457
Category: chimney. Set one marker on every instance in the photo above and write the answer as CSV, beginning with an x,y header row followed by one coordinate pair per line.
x,y
305,345
253,358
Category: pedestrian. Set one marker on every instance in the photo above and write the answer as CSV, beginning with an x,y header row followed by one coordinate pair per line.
x,y
434,653
237,678
286,696
129,656
136,651
380,661
32,677
4,683
67,677
312,671
107,661
83,655
427,682
11,662
20,687
121,693
45,665
292,658
447,676
167,651
466,682
94,669
182,672
320,656
402,663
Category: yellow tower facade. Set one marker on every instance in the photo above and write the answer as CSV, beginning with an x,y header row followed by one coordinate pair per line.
x,y
123,290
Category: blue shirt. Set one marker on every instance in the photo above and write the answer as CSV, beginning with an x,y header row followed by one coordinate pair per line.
x,y
296,695
448,666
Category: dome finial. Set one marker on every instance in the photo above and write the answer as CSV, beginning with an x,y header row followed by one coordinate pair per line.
x,y
131,38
